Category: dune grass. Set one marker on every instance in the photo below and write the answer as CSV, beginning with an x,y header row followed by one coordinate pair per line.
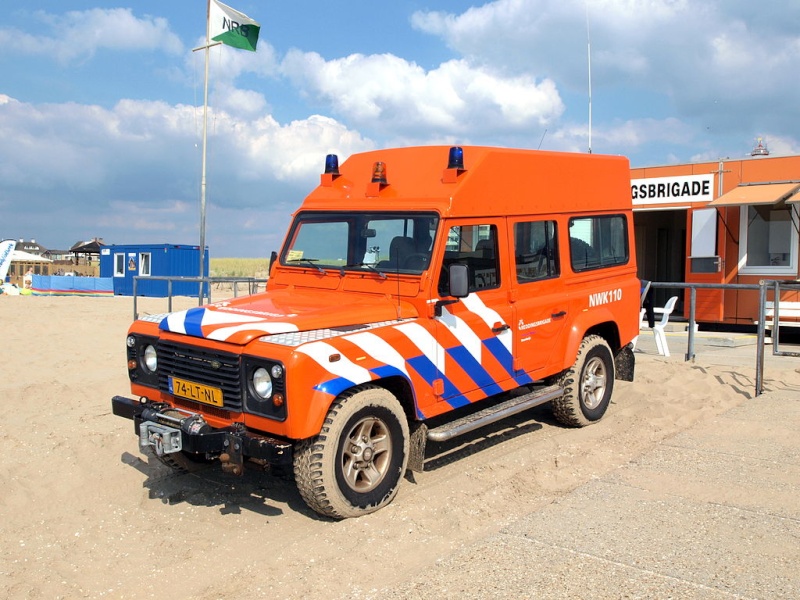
x,y
238,267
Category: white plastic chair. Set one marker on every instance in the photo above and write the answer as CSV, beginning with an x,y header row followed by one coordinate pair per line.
x,y
658,327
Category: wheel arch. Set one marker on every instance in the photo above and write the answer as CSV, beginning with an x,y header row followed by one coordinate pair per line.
x,y
608,330
322,400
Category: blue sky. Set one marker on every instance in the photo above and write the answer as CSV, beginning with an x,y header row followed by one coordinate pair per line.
x,y
101,102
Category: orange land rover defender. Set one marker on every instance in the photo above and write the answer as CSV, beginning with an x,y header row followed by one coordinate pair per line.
x,y
413,284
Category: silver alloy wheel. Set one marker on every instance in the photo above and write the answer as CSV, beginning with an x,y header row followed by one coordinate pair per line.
x,y
367,454
593,386
587,384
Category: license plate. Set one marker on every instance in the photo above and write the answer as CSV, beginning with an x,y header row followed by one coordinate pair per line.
x,y
195,391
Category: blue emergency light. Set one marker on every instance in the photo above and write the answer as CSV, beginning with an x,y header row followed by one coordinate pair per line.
x,y
332,164
456,158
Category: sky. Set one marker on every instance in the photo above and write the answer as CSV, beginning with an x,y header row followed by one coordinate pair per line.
x,y
101,103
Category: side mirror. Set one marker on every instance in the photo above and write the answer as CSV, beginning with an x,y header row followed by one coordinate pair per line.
x,y
459,280
272,258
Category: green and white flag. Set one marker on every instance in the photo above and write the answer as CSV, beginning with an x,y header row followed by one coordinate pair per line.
x,y
231,27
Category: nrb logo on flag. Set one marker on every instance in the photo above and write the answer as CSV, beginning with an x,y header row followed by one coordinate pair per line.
x,y
231,27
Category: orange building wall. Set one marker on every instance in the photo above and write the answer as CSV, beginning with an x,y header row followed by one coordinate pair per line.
x,y
738,307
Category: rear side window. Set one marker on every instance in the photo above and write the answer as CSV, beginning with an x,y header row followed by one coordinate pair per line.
x,y
535,250
598,242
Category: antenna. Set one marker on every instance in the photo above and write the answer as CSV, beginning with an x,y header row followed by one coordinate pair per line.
x,y
589,57
541,140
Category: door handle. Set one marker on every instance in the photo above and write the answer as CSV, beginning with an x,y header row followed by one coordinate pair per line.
x,y
559,314
498,328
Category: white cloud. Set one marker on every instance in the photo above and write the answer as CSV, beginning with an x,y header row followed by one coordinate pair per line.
x,y
135,168
713,65
386,93
77,35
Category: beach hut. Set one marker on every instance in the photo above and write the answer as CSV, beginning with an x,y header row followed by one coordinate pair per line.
x,y
150,263
21,261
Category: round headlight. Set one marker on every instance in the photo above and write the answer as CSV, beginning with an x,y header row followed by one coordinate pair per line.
x,y
150,358
277,371
262,383
131,341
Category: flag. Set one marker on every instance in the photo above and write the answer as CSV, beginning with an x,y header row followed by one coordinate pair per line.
x,y
231,27
6,248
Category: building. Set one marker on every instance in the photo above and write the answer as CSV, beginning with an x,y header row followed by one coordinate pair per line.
x,y
124,262
727,221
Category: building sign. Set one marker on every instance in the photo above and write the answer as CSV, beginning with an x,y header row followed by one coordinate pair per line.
x,y
668,190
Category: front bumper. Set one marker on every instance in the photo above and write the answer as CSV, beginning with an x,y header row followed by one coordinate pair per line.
x,y
169,430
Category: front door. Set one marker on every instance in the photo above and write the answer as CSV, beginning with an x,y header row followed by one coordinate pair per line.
x,y
474,333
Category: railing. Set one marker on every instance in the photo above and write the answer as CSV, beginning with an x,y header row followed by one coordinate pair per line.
x,y
252,287
762,288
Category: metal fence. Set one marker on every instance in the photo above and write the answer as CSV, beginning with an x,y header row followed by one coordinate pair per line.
x,y
763,287
251,285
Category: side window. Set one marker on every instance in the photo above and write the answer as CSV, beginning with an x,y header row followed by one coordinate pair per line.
x,y
144,263
476,247
536,251
768,235
597,242
119,264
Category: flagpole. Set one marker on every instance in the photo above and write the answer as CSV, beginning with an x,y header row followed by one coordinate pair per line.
x,y
205,147
241,22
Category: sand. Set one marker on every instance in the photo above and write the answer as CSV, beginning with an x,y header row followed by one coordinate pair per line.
x,y
84,514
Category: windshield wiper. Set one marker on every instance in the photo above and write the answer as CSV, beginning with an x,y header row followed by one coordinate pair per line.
x,y
369,266
310,261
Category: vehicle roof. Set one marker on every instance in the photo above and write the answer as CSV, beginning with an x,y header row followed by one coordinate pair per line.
x,y
494,181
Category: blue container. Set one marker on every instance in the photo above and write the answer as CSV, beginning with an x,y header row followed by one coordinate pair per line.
x,y
124,262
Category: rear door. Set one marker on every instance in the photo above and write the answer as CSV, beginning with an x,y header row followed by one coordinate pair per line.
x,y
540,298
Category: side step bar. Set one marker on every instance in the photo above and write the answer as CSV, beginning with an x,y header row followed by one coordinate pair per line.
x,y
475,421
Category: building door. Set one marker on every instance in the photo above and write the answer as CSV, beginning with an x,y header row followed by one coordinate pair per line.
x,y
661,251
705,265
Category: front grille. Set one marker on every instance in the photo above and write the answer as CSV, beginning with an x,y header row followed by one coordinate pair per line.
x,y
216,369
194,407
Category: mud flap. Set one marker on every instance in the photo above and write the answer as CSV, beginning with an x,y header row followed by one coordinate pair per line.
x,y
624,363
416,446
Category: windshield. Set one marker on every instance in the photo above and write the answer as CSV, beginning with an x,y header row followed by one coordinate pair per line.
x,y
370,241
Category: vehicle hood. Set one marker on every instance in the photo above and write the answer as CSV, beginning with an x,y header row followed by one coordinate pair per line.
x,y
241,320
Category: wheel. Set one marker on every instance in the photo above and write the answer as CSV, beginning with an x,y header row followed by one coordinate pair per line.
x,y
355,464
587,385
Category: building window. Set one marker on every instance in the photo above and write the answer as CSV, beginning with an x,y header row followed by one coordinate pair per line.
x,y
119,265
144,264
768,239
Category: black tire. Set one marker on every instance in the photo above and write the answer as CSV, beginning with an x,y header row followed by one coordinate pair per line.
x,y
355,465
588,385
